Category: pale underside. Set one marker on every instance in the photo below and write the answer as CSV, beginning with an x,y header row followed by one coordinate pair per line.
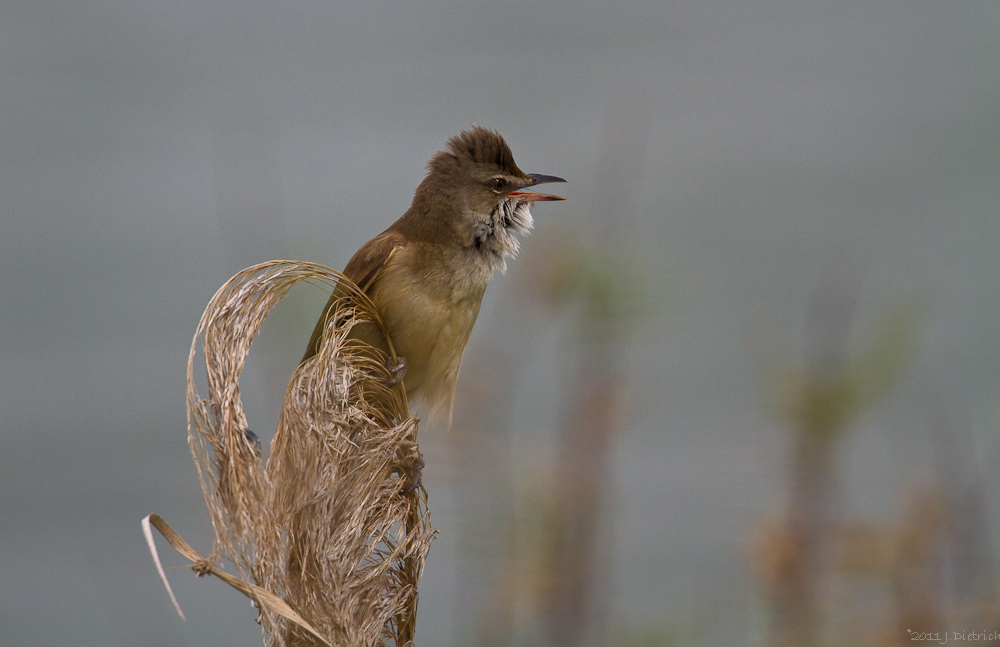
x,y
432,309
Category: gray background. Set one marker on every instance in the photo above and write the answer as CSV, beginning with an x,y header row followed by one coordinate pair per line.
x,y
739,150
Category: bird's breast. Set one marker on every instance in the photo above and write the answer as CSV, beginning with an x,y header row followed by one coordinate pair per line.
x,y
429,321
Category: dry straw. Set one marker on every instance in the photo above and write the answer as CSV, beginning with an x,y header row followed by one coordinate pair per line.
x,y
330,536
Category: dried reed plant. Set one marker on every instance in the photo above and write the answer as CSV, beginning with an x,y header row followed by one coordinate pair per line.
x,y
335,524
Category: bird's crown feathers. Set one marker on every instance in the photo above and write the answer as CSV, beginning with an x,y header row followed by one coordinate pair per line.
x,y
477,145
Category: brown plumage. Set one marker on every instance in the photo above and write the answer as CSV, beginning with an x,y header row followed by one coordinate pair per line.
x,y
428,271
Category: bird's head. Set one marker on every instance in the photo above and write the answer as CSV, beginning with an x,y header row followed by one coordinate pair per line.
x,y
477,176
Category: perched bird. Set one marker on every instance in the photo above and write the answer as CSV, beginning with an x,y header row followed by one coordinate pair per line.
x,y
427,272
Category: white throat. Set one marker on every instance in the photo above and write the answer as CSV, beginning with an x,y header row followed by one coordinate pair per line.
x,y
494,232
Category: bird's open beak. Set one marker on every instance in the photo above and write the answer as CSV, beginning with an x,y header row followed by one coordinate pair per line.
x,y
527,196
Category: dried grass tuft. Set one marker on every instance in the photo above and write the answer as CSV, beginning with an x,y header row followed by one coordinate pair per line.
x,y
335,524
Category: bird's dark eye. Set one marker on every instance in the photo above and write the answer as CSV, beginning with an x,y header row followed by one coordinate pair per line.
x,y
498,183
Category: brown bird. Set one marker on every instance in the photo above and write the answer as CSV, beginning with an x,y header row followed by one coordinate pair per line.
x,y
428,271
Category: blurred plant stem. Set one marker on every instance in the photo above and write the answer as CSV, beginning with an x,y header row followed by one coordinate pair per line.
x,y
610,293
820,401
577,605
550,586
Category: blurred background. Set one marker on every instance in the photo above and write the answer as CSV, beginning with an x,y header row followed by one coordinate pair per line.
x,y
740,389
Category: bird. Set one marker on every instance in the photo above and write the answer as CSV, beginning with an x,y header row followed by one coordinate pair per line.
x,y
427,273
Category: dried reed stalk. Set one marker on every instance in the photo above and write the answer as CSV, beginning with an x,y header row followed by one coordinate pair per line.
x,y
335,524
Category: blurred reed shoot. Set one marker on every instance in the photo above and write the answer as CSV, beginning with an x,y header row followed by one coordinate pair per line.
x,y
549,586
820,400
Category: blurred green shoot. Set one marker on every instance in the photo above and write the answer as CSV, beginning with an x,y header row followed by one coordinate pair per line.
x,y
826,400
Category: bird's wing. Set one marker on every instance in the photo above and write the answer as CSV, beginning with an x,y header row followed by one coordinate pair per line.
x,y
362,269
368,261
